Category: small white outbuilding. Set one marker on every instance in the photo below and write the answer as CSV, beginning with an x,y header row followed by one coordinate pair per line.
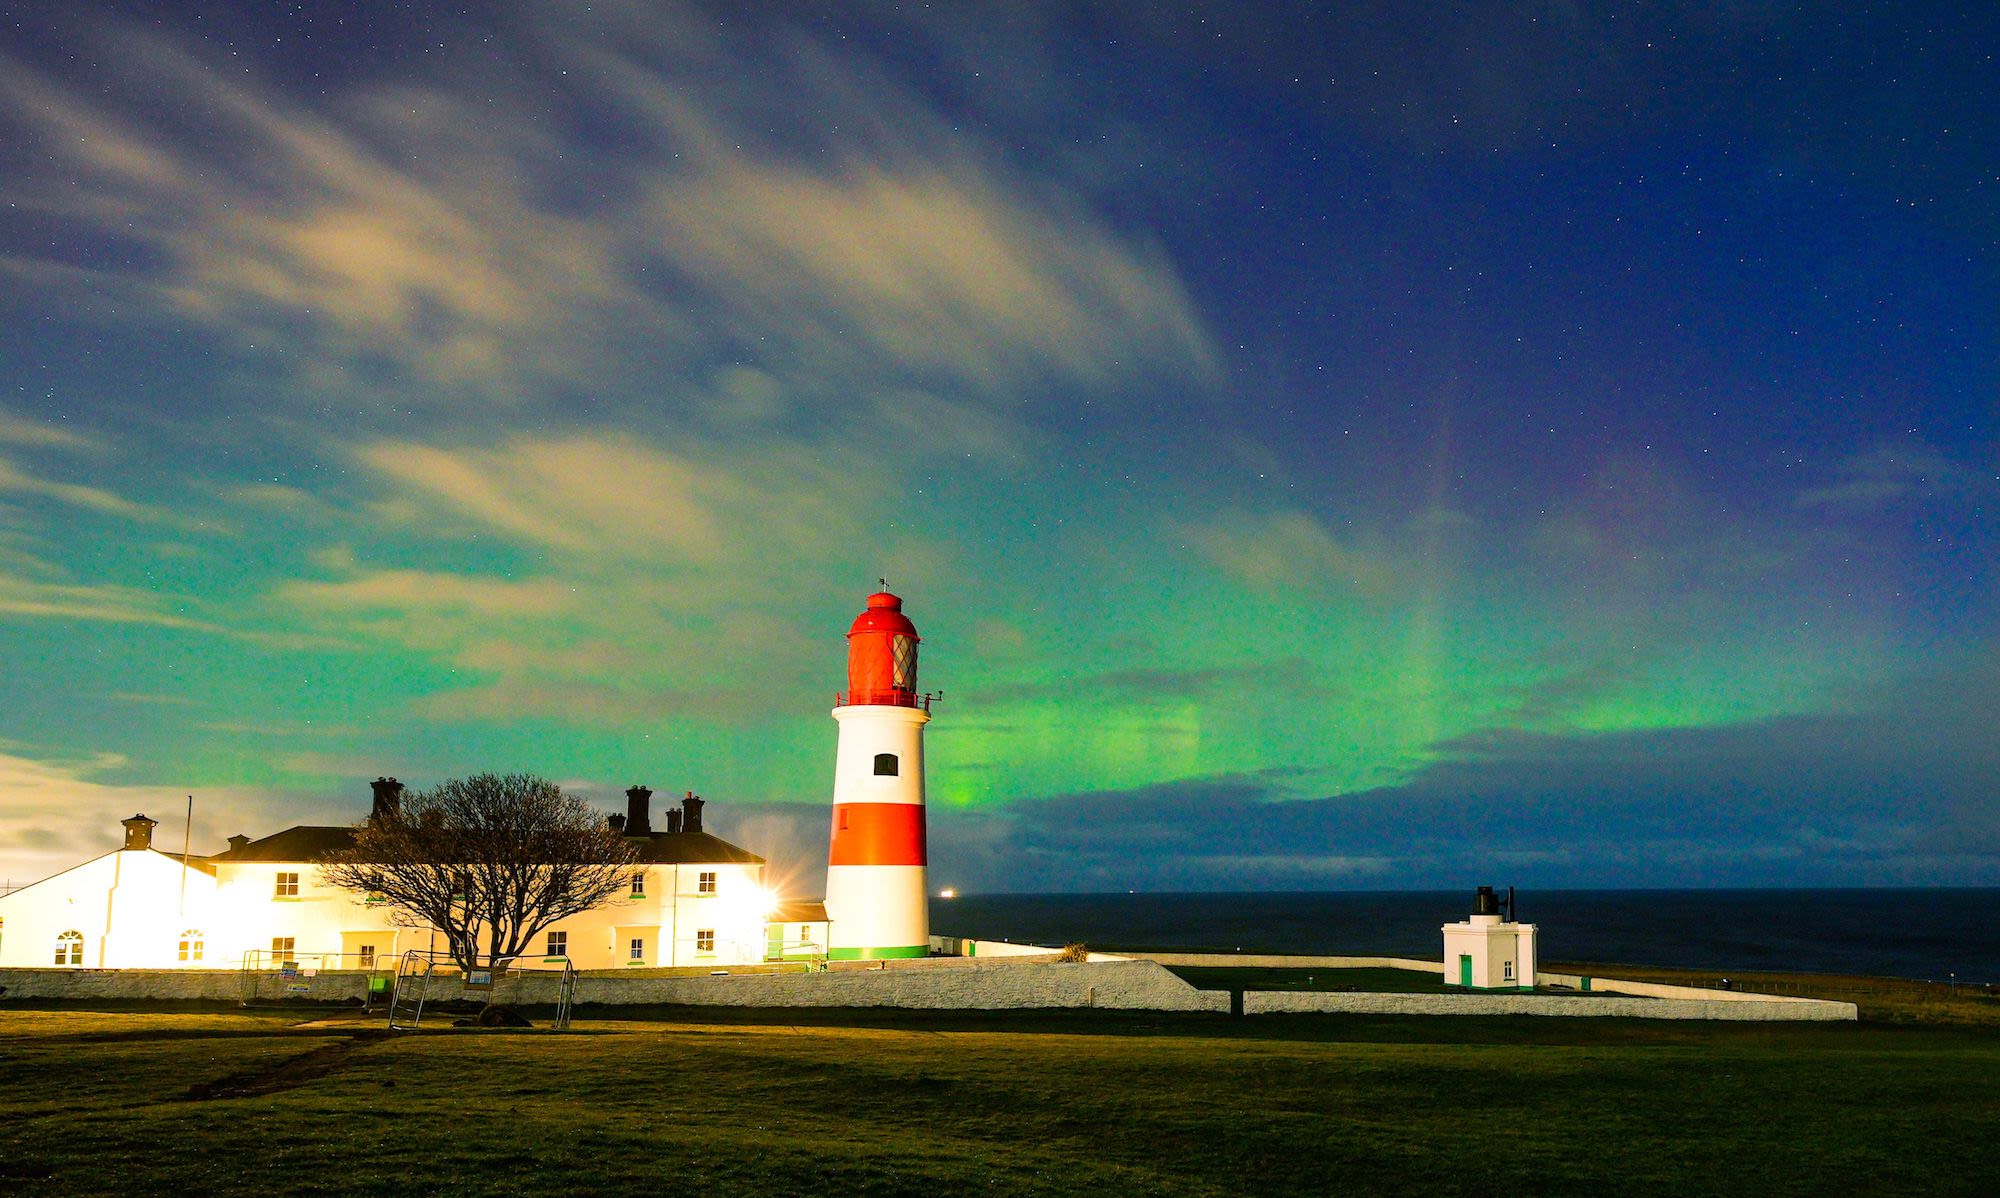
x,y
1487,951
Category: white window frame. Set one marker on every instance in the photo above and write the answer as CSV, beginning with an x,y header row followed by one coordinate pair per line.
x,y
704,940
706,882
285,884
191,944
69,948
557,943
285,948
636,951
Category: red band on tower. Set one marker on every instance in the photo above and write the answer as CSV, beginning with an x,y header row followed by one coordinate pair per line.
x,y
878,834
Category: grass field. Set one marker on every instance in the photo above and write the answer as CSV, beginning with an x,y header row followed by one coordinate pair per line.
x,y
890,1103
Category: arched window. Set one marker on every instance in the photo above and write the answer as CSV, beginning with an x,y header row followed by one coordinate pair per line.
x,y
69,948
191,945
885,765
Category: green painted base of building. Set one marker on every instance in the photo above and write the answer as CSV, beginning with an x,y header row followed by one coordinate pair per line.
x,y
1492,989
879,954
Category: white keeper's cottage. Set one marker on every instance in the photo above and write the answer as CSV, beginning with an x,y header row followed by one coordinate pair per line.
x,y
695,900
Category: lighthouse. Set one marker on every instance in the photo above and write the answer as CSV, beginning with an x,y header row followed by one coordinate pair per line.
x,y
875,895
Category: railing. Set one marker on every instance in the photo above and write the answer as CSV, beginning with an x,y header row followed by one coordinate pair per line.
x,y
896,697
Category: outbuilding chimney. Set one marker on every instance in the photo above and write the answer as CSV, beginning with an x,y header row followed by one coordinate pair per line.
x,y
615,822
673,821
238,841
638,811
388,799
139,832
691,821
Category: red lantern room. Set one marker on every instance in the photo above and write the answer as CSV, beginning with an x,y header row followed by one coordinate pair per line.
x,y
882,656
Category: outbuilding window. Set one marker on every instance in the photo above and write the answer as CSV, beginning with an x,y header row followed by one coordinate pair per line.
x,y
639,885
638,952
558,945
366,953
705,884
287,886
885,765
69,948
191,945
704,940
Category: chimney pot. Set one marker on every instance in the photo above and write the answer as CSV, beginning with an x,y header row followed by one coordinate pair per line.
x,y
617,823
388,799
638,811
139,831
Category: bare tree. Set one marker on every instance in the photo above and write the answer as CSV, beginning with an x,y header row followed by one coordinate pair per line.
x,y
492,857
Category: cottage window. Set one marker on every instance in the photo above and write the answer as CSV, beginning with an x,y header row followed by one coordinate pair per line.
x,y
366,953
704,940
287,886
638,952
69,948
1507,971
805,933
284,947
639,885
705,884
885,765
558,945
191,945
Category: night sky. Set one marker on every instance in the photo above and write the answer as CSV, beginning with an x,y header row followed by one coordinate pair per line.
x,y
1389,446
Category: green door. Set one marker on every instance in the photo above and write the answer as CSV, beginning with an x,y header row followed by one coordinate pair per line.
x,y
1465,969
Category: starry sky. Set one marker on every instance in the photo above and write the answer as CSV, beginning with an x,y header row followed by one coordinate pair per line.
x,y
1323,447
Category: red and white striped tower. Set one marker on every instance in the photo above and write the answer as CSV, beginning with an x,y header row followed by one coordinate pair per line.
x,y
875,897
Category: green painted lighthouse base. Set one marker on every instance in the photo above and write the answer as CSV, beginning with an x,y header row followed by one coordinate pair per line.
x,y
879,954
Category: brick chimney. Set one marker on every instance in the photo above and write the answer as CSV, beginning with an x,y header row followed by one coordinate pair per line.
x,y
388,799
638,811
691,822
615,822
673,821
139,832
238,841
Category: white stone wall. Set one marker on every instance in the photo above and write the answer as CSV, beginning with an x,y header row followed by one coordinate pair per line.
x,y
962,985
1263,1002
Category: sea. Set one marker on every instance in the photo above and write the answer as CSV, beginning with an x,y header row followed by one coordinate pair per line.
x,y
1927,934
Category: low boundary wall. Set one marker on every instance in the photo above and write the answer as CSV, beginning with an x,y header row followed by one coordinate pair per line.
x,y
1272,961
1006,983
1274,1002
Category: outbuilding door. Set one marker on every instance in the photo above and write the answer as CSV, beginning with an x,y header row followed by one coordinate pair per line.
x,y
1465,969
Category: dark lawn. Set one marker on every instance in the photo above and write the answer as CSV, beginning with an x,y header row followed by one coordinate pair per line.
x,y
894,1103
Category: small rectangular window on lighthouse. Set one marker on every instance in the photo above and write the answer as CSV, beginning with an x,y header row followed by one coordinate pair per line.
x,y
885,765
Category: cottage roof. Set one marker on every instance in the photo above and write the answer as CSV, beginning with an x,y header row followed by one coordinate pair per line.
x,y
798,911
308,843
194,860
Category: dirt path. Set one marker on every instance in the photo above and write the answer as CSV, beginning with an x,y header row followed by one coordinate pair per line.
x,y
287,1074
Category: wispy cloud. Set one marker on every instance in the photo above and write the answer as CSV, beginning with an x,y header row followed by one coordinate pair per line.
x,y
633,564
62,811
441,231
39,434
1894,472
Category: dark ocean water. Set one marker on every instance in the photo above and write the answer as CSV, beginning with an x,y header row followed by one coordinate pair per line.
x,y
1928,934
